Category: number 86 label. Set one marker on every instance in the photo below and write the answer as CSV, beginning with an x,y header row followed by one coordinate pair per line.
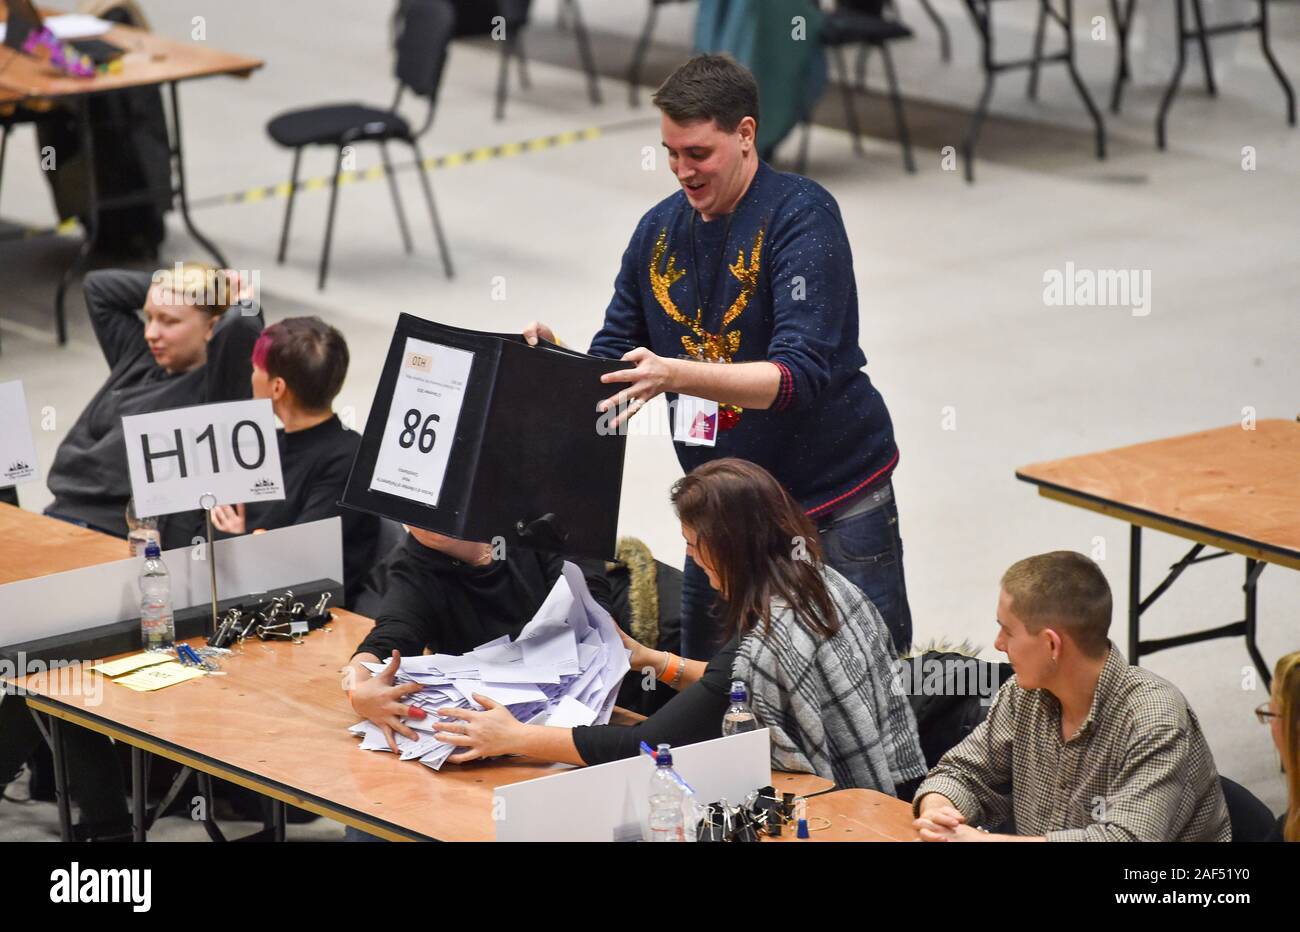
x,y
422,416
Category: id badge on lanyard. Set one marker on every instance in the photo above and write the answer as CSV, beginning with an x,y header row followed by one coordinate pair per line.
x,y
696,423
698,420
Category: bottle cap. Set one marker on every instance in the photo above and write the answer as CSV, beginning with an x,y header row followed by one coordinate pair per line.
x,y
151,550
664,756
738,691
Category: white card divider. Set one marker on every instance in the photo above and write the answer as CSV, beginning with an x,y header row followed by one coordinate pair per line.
x,y
63,603
592,803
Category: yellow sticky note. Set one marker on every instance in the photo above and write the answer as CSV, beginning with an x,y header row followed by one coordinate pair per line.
x,y
159,676
131,663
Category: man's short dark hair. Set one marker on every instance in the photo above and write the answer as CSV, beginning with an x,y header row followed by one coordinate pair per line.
x,y
709,87
309,354
1064,589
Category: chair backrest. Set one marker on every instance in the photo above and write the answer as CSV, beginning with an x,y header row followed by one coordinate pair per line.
x,y
1251,820
514,12
867,7
422,30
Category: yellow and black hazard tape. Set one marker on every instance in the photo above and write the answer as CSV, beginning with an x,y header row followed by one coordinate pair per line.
x,y
374,173
433,163
66,228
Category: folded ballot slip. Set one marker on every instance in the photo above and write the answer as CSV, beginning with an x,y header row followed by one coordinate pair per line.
x,y
564,669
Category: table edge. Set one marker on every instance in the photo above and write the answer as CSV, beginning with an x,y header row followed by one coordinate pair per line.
x,y
210,765
25,95
1154,519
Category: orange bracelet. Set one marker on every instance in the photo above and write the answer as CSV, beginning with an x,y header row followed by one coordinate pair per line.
x,y
669,677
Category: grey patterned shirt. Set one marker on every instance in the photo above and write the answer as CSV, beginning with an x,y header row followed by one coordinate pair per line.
x,y
1138,768
829,702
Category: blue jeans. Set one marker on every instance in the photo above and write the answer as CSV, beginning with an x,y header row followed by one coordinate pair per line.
x,y
865,549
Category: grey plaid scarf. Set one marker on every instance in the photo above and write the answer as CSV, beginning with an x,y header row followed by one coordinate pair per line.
x,y
828,701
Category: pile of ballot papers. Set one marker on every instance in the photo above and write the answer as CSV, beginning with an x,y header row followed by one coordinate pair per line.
x,y
564,669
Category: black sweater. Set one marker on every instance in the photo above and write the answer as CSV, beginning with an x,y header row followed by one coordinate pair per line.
x,y
693,715
89,477
315,463
450,607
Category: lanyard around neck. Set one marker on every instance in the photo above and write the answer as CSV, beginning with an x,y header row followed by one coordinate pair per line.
x,y
706,300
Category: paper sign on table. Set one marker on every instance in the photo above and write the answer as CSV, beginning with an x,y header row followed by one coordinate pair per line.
x,y
158,677
17,450
132,663
228,449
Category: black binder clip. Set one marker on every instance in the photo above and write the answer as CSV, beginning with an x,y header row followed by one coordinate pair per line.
x,y
544,533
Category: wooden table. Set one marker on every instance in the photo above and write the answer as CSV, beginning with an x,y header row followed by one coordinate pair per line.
x,y
855,815
33,545
1233,489
150,60
277,723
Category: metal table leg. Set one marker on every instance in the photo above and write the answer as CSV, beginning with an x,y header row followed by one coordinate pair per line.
x,y
1098,126
279,820
139,813
1121,19
983,25
584,51
1272,63
1207,62
1253,569
638,56
1180,31
1134,594
61,787
91,218
178,153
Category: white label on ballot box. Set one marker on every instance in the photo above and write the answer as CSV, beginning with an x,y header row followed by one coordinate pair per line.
x,y
696,423
228,449
422,418
17,451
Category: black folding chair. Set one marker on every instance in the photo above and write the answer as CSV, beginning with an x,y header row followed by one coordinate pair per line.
x,y
863,23
514,13
1251,820
945,41
422,30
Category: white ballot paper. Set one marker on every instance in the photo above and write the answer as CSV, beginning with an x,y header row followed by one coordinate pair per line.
x,y
422,418
564,669
17,451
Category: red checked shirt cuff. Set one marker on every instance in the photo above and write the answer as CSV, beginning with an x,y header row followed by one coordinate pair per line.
x,y
784,391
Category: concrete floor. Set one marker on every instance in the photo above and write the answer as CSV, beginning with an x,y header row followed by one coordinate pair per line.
x,y
950,277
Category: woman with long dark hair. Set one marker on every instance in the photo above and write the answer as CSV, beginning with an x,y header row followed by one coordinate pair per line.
x,y
811,648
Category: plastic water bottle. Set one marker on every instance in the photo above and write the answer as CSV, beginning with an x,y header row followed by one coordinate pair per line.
x,y
666,796
739,718
157,628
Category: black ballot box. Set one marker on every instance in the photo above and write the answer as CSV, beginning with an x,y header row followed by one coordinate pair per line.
x,y
482,437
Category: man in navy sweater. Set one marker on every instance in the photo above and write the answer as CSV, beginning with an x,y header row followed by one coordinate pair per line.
x,y
751,267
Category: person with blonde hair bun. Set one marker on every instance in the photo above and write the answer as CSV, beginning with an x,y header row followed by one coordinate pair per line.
x,y
176,337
